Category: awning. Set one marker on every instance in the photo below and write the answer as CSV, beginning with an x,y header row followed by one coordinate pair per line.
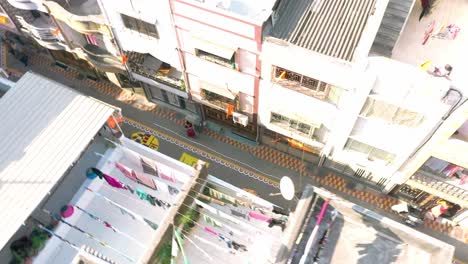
x,y
218,50
151,63
217,90
45,126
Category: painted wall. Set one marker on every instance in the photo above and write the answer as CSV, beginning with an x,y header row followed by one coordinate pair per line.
x,y
195,21
339,119
153,12
408,87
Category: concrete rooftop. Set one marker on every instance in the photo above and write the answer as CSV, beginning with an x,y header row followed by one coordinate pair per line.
x,y
358,235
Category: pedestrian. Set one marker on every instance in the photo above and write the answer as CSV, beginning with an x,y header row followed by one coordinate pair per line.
x,y
189,129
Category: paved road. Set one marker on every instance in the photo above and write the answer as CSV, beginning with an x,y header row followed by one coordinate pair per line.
x,y
222,165
173,149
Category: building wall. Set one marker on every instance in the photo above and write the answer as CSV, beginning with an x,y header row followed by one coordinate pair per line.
x,y
351,80
196,23
441,145
153,12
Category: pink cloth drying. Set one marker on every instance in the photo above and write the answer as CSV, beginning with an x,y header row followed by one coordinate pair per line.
x,y
451,169
145,180
126,171
113,182
259,216
209,230
165,172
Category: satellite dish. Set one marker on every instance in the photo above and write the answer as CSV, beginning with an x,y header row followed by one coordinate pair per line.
x,y
287,188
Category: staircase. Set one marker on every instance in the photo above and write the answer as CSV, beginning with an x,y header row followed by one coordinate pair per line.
x,y
392,24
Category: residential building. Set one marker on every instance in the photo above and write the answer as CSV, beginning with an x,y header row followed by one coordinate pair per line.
x,y
435,170
438,171
220,44
316,74
92,195
51,195
145,33
338,231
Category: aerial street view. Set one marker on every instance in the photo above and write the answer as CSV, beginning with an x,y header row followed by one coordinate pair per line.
x,y
233,131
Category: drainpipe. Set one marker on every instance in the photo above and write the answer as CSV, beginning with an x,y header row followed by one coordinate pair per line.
x,y
312,237
179,51
452,109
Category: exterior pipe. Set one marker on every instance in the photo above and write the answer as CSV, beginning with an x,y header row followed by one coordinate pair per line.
x,y
312,237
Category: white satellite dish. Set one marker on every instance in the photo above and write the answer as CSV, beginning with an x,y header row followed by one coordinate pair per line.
x,y
287,188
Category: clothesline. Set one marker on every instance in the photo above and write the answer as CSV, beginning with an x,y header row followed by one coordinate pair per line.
x,y
202,227
140,201
126,211
108,225
90,236
236,198
197,247
116,183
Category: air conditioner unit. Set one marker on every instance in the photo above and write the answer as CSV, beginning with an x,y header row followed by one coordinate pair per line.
x,y
240,119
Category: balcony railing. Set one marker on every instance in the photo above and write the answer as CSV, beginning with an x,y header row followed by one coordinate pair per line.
x,y
103,59
218,100
301,83
83,23
43,32
28,4
440,183
152,68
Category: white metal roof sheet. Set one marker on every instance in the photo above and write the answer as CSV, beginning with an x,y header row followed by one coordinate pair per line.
x,y
44,127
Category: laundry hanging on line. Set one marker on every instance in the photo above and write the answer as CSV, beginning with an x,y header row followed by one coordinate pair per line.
x,y
152,200
172,190
52,233
149,166
259,216
110,180
165,172
136,176
106,224
125,211
90,236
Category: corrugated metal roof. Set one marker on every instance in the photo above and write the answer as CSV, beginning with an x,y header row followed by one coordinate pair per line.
x,y
44,128
392,24
330,27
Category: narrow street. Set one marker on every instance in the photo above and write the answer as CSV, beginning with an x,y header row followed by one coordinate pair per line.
x,y
256,168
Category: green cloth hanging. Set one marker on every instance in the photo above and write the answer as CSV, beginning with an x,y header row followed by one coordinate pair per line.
x,y
179,242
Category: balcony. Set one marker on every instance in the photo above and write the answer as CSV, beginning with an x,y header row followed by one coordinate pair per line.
x,y
43,31
102,59
447,188
156,70
306,85
28,4
82,16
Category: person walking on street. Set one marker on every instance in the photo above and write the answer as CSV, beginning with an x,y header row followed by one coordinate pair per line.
x,y
189,128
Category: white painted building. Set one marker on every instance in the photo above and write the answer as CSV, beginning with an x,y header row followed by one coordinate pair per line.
x,y
61,135
146,35
315,75
220,43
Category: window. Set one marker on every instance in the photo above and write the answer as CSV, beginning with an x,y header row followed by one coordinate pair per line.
x,y
293,125
305,85
140,26
371,152
216,59
391,113
216,99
